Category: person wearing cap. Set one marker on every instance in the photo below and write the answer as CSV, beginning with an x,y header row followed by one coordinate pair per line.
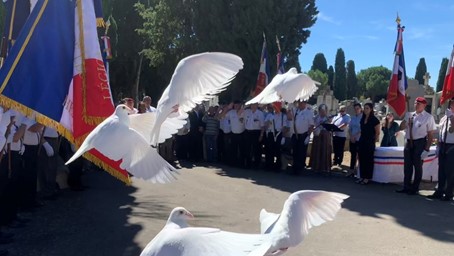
x,y
419,128
342,120
303,124
445,150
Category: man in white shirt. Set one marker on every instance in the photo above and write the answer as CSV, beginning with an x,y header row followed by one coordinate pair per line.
x,y
342,120
275,125
445,150
419,127
254,124
47,164
225,136
130,103
236,119
30,131
303,125
147,101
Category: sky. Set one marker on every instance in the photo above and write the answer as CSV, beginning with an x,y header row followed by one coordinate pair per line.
x,y
366,30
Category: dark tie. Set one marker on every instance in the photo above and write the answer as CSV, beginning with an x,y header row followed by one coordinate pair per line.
x,y
411,131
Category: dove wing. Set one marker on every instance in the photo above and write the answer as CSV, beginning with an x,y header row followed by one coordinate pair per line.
x,y
270,93
198,78
311,208
204,242
143,123
118,142
267,221
297,86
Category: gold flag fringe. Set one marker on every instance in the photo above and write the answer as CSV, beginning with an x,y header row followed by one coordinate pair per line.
x,y
92,158
40,118
92,120
100,23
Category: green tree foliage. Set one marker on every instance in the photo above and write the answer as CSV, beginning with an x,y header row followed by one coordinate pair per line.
x,y
330,73
126,45
173,29
319,63
442,74
421,70
374,82
340,78
352,82
320,77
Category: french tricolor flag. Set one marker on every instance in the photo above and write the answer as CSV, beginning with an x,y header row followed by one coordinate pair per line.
x,y
448,85
262,78
89,100
398,83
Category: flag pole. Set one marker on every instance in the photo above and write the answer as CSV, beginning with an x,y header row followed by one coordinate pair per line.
x,y
407,98
445,134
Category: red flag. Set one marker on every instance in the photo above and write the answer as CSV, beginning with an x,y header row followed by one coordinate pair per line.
x,y
398,82
89,100
262,78
448,85
280,70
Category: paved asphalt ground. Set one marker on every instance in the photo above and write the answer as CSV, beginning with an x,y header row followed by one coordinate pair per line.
x,y
112,219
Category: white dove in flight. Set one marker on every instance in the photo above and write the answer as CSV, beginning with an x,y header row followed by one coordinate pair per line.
x,y
288,87
178,239
196,78
302,210
124,137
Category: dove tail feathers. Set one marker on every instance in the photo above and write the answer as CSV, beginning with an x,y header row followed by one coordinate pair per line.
x,y
153,168
76,155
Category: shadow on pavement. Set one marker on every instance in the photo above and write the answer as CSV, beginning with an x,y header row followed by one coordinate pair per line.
x,y
91,222
434,219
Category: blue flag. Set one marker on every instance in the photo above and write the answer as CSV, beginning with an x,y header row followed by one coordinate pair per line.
x,y
39,66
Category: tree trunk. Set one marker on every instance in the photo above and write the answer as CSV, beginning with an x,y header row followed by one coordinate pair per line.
x,y
135,93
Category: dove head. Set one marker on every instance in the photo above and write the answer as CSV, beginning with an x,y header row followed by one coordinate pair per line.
x,y
122,110
179,216
292,71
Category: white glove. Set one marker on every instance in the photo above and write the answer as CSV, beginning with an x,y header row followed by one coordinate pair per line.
x,y
2,142
22,150
424,154
448,113
306,141
49,149
408,115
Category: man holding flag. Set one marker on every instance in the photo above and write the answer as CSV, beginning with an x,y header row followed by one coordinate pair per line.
x,y
70,92
419,125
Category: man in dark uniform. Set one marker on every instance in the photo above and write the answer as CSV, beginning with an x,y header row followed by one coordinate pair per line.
x,y
196,133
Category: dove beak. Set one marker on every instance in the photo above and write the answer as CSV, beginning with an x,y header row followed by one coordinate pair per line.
x,y
189,215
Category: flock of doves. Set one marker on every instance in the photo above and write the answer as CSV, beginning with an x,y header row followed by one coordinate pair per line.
x,y
198,78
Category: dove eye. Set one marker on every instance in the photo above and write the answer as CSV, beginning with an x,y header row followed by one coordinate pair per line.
x,y
181,212
124,107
